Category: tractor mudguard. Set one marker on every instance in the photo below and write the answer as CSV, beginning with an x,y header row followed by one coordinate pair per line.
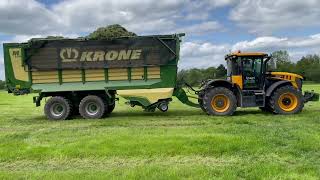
x,y
221,83
215,82
274,86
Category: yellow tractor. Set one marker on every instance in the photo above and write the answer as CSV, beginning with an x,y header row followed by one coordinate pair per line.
x,y
250,84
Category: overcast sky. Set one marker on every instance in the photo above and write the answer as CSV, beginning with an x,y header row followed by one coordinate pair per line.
x,y
213,27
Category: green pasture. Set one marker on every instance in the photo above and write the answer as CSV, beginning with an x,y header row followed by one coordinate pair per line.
x,y
183,143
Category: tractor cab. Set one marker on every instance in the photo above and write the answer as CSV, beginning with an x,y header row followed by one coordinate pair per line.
x,y
247,70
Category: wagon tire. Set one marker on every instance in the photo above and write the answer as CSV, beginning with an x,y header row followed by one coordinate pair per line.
x,y
58,108
92,107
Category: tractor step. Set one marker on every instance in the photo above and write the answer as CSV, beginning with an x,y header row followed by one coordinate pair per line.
x,y
253,98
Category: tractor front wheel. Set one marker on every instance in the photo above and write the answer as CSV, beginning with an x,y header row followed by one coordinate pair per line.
x,y
219,101
286,100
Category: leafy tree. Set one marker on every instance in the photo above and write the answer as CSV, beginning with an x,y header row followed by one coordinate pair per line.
x,y
2,85
308,66
221,71
210,73
195,76
283,61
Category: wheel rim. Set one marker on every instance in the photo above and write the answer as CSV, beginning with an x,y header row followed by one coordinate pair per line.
x,y
288,102
92,108
57,109
163,107
220,103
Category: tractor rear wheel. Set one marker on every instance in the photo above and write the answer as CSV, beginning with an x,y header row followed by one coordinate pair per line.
x,y
286,100
58,108
219,101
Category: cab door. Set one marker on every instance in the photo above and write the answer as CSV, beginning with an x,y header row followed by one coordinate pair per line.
x,y
252,73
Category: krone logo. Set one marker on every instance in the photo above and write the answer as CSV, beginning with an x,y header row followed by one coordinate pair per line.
x,y
69,54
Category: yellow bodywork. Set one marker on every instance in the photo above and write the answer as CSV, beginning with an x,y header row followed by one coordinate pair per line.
x,y
152,95
287,76
16,61
247,54
237,80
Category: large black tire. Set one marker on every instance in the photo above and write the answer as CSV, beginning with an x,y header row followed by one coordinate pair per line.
x,y
58,108
92,107
219,101
286,100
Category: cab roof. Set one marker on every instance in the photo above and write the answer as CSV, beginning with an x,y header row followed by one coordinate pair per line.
x,y
241,54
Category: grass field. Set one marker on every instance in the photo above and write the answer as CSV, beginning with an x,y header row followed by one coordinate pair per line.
x,y
182,143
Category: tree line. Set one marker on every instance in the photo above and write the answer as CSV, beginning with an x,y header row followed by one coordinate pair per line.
x,y
2,84
308,66
194,76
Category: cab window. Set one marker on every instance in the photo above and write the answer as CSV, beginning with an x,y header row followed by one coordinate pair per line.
x,y
251,70
233,67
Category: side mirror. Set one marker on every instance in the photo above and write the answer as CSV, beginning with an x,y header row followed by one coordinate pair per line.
x,y
271,65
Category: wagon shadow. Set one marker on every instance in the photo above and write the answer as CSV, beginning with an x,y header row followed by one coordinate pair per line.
x,y
171,114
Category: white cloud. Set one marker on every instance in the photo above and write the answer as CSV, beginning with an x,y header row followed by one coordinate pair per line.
x,y
275,43
221,3
202,55
25,38
27,17
265,17
205,54
201,28
82,16
200,10
149,16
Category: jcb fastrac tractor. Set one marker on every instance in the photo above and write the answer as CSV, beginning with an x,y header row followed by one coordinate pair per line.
x,y
250,84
